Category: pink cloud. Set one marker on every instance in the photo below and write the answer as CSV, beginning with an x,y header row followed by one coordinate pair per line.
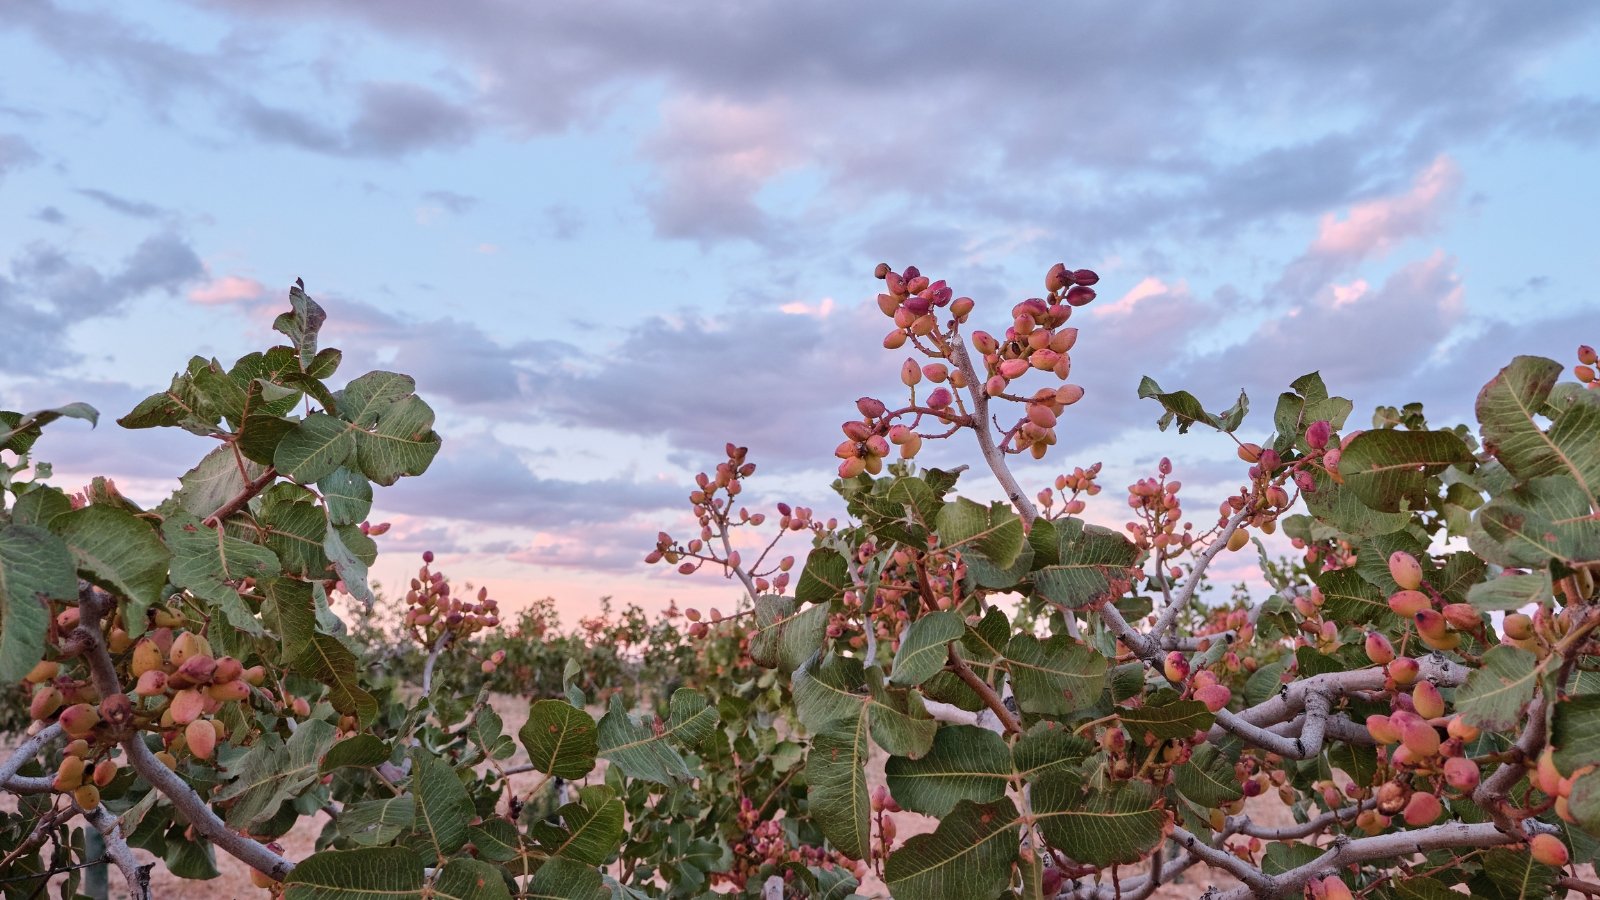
x,y
819,310
1376,226
1144,290
228,289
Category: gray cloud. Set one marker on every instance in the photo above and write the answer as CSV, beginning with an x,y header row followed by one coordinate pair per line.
x,y
392,120
47,291
15,153
452,201
137,209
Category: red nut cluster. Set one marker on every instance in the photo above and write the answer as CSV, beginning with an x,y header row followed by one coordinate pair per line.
x,y
434,614
1080,482
713,505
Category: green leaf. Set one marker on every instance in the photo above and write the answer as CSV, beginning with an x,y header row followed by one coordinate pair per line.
x,y
1389,470
968,856
274,772
323,657
1183,407
118,552
1088,564
1166,716
19,432
35,566
1495,696
993,531
1046,748
362,751
351,567
561,740
301,324
469,879
1506,409
297,531
590,830
924,647
1349,599
443,807
315,449
1575,732
1119,823
1515,876
836,785
784,639
1543,519
1337,506
966,763
1208,778
204,560
564,879
348,496
393,873
1584,801
325,363
831,691
824,577
1057,676
214,481
392,426
641,752
373,822
1306,402
1510,592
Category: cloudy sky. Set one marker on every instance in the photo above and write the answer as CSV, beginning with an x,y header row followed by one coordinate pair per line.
x,y
606,237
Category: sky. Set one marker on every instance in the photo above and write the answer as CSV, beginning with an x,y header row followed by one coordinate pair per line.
x,y
608,237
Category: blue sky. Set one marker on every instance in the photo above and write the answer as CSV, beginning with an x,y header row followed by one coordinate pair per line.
x,y
608,237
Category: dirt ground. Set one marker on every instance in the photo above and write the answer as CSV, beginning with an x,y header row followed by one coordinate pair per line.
x,y
234,881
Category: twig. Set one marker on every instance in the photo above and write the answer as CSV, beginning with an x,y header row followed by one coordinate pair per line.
x,y
245,495
983,690
1169,616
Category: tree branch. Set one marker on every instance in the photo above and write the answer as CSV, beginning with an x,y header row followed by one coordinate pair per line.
x,y
983,690
92,606
25,751
245,495
980,427
1169,616
118,851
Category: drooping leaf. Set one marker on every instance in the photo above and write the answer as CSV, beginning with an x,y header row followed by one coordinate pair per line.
x,y
18,432
1349,599
560,739
1545,518
348,496
35,566
968,855
836,785
1184,408
362,751
348,563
